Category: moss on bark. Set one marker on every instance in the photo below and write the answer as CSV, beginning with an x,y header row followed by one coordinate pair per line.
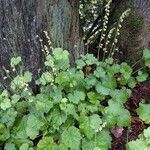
x,y
130,42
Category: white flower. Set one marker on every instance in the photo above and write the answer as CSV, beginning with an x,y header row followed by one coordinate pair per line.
x,y
7,71
5,78
13,69
120,25
116,40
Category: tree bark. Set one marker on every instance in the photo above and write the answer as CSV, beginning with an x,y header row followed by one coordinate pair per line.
x,y
143,7
135,34
22,20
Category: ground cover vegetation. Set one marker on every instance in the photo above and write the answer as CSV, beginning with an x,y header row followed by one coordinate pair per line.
x,y
75,108
89,106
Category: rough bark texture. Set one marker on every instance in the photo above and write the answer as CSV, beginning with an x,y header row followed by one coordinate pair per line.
x,y
144,9
22,20
135,34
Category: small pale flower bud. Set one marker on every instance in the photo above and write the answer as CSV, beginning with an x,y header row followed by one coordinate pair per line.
x,y
5,78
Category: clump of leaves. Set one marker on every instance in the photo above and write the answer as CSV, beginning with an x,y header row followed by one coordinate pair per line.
x,y
146,56
68,112
144,112
143,143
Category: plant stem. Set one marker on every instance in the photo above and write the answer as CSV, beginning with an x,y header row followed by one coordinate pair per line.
x,y
138,70
137,62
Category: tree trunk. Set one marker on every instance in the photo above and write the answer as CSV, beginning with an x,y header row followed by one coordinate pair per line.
x,y
135,34
22,20
143,8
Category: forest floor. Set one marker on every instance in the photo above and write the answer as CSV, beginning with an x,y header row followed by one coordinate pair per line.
x,y
121,136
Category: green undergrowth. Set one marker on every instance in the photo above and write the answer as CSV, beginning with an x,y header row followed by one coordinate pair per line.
x,y
142,143
75,107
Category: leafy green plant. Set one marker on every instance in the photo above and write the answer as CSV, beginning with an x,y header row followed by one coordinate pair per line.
x,y
68,112
143,143
146,56
144,112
